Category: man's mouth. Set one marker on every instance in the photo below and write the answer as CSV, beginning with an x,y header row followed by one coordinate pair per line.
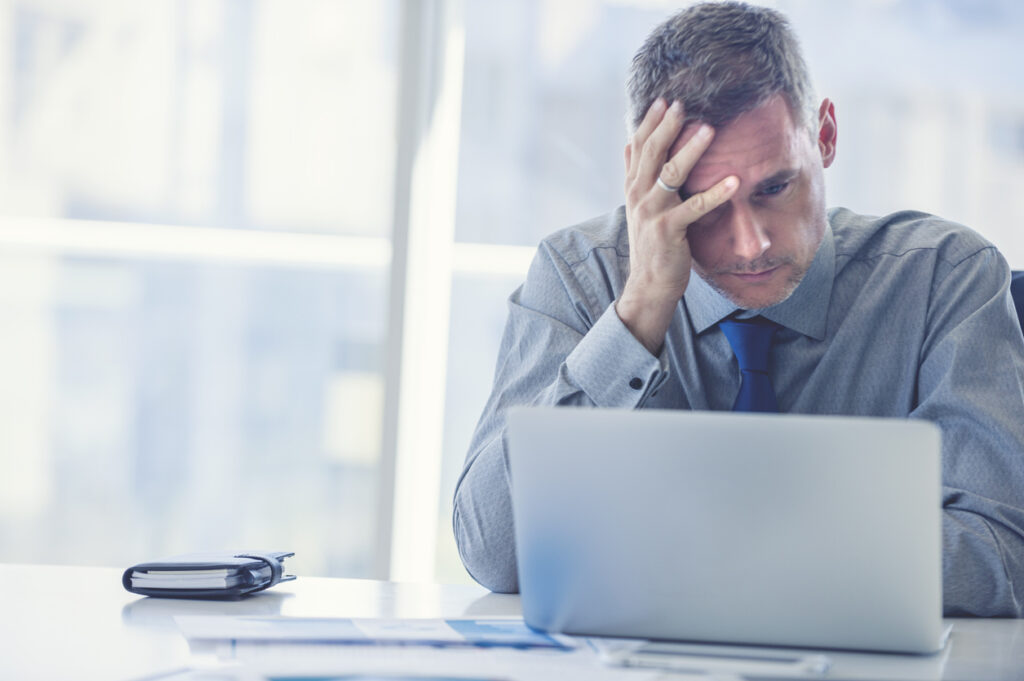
x,y
755,277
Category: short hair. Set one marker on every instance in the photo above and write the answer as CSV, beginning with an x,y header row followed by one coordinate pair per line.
x,y
720,60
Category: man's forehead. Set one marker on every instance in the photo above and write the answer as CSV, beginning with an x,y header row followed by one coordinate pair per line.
x,y
755,145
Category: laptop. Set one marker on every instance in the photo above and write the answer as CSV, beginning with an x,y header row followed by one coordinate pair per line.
x,y
790,530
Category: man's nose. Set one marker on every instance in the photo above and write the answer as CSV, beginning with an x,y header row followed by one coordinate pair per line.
x,y
748,237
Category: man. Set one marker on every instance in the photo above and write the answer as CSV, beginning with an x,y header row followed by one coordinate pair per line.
x,y
725,232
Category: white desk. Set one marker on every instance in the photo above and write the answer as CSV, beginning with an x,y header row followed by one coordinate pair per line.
x,y
79,623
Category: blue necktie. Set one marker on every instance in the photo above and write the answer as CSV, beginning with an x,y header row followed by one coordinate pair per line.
x,y
751,341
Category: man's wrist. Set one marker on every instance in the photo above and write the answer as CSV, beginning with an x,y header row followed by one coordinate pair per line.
x,y
647,316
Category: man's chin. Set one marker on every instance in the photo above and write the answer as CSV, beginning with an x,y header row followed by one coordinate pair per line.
x,y
754,295
757,302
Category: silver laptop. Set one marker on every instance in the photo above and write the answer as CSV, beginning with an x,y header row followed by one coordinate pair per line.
x,y
807,531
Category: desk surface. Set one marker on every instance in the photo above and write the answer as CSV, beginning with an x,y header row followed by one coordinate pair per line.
x,y
79,623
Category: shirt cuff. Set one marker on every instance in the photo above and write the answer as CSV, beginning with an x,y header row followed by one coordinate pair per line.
x,y
612,367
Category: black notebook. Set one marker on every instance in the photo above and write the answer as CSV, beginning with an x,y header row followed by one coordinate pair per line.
x,y
208,575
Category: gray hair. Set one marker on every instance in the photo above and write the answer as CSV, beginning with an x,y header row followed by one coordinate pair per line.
x,y
721,60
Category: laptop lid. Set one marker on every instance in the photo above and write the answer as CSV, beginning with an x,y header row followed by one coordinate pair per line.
x,y
807,531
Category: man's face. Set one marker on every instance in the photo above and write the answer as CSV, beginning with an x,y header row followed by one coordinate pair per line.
x,y
755,248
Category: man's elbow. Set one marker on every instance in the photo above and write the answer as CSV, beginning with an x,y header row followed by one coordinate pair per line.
x,y
498,581
490,561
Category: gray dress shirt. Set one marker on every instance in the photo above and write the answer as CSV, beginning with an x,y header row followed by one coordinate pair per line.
x,y
906,315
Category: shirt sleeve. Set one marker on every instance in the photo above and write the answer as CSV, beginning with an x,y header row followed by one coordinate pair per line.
x,y
561,346
971,383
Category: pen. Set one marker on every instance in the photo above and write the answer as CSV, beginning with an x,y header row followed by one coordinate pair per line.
x,y
703,661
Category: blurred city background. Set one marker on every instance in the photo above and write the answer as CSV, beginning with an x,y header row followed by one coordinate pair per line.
x,y
212,239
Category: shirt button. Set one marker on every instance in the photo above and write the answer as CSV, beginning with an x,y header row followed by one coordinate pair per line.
x,y
636,384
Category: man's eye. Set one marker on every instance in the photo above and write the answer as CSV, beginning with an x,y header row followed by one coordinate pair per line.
x,y
774,189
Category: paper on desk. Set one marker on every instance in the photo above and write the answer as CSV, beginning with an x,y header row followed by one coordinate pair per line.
x,y
485,633
313,661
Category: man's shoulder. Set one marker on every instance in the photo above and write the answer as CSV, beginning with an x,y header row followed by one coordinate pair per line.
x,y
605,236
869,237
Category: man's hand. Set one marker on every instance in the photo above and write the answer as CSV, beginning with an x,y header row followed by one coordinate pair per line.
x,y
659,254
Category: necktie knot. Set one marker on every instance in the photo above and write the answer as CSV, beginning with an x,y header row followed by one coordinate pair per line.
x,y
751,341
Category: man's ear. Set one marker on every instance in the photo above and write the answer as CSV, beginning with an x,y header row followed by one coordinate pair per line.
x,y
827,132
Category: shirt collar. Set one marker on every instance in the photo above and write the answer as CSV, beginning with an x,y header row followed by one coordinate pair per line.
x,y
805,311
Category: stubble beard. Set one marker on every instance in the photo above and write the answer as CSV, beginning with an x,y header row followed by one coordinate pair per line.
x,y
796,275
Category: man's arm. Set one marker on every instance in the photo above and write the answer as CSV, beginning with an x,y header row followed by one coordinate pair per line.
x,y
563,345
568,342
971,383
659,251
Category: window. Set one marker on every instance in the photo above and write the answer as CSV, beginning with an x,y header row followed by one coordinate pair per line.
x,y
196,210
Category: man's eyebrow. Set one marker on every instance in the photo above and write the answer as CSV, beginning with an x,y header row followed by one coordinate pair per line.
x,y
780,177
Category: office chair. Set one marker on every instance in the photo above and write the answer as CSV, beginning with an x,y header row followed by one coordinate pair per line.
x,y
1017,291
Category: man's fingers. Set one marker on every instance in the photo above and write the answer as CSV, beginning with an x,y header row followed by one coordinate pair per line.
x,y
655,149
694,143
699,205
652,118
